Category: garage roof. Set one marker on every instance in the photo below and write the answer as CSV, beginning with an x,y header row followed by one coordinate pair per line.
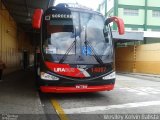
x,y
22,10
129,36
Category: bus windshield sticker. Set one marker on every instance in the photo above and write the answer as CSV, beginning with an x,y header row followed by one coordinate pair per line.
x,y
51,50
86,50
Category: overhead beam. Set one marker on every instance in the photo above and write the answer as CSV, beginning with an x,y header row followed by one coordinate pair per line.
x,y
31,4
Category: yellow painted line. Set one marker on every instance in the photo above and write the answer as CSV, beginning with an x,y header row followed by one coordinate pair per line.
x,y
59,110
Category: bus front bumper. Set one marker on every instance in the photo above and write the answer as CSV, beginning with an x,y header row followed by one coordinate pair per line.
x,y
58,89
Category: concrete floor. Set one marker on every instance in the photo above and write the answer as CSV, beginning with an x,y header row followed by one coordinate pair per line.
x,y
133,94
18,96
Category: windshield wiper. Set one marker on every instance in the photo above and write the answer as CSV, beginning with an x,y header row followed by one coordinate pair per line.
x,y
69,49
87,43
99,60
75,39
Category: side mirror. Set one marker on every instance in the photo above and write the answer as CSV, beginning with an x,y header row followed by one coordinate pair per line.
x,y
36,19
119,23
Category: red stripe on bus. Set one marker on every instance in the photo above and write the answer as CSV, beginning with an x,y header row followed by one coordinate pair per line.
x,y
64,69
57,89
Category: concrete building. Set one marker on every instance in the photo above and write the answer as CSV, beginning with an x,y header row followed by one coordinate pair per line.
x,y
141,18
17,38
141,15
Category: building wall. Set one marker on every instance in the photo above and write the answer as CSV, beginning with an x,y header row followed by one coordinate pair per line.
x,y
12,41
140,59
106,7
155,3
136,20
110,5
132,2
144,20
148,59
152,20
102,8
124,59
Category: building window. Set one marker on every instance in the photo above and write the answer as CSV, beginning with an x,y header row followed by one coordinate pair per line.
x,y
131,12
155,13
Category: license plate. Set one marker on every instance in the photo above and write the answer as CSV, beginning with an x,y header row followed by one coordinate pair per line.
x,y
81,86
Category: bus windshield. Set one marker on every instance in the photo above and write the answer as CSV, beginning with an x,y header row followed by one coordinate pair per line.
x,y
77,38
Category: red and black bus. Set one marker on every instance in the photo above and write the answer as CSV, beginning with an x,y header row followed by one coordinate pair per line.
x,y
76,49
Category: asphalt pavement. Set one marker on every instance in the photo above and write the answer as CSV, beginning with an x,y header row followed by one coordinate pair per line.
x,y
133,94
134,97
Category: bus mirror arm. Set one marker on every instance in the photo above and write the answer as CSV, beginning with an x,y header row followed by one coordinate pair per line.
x,y
36,18
119,23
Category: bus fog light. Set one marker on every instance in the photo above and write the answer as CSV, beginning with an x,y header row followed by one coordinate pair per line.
x,y
46,76
110,76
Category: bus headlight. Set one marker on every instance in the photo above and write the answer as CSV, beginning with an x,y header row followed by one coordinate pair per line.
x,y
110,76
46,76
